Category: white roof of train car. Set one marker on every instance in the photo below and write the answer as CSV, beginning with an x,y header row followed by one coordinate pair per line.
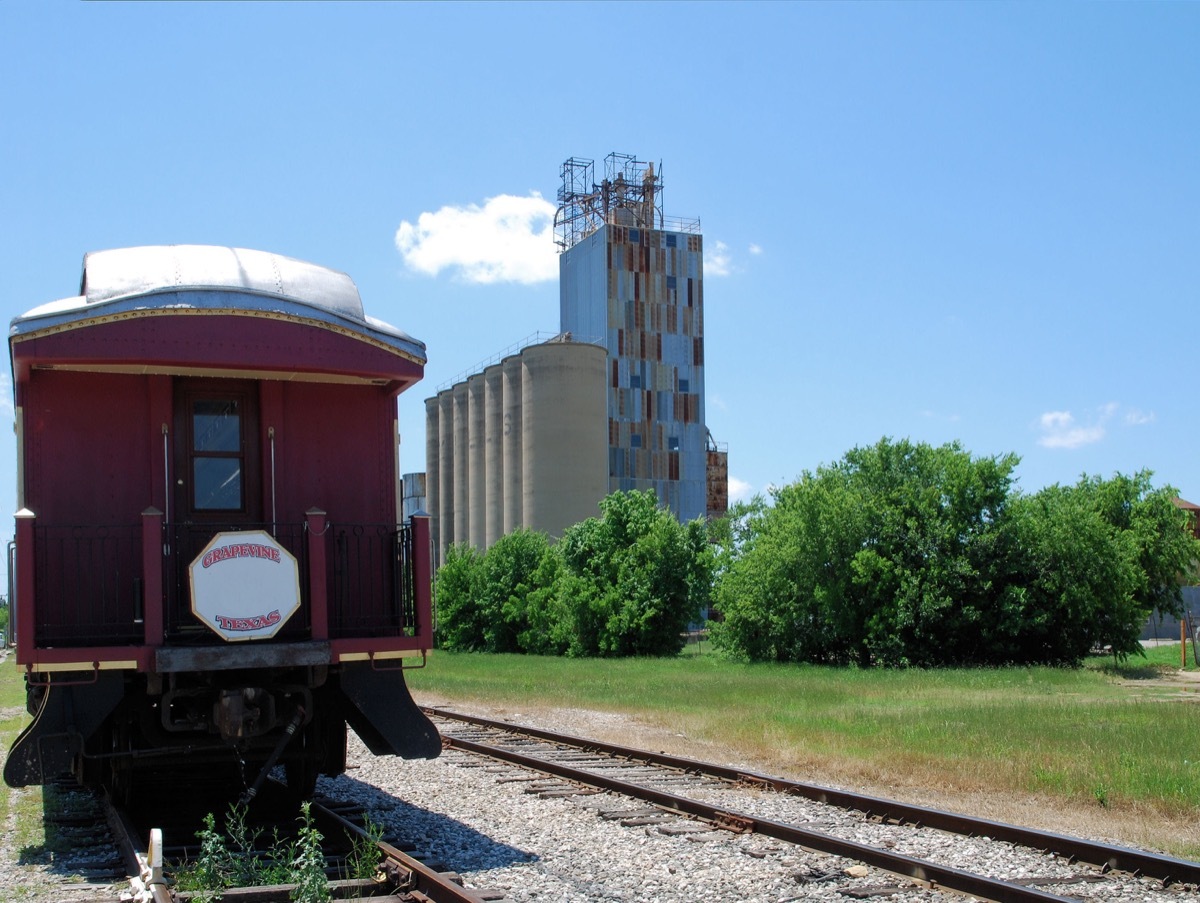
x,y
112,279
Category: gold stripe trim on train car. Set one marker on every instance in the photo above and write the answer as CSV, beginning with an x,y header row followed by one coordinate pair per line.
x,y
226,312
379,656
82,666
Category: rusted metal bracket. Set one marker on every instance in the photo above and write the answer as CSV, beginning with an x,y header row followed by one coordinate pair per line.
x,y
738,824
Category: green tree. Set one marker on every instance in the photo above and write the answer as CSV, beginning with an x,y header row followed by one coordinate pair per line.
x,y
1102,555
728,533
545,628
1076,579
485,601
511,574
460,624
1164,548
905,554
925,578
890,556
633,579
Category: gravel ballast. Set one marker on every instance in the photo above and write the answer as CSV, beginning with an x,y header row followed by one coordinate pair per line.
x,y
482,821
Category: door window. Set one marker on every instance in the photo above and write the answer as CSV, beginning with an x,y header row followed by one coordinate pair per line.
x,y
216,464
217,455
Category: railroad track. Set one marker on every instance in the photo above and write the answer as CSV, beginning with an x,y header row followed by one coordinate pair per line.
x,y
1075,868
115,855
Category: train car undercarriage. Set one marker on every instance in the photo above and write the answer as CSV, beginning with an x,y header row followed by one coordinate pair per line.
x,y
109,728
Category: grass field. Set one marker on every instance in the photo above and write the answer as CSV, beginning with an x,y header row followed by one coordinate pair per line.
x,y
1103,738
21,810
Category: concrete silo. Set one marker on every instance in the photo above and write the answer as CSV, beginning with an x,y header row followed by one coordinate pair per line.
x,y
443,510
462,456
564,434
477,440
513,483
493,455
433,461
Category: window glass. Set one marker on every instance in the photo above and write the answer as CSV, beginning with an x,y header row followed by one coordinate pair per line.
x,y
216,426
217,483
217,454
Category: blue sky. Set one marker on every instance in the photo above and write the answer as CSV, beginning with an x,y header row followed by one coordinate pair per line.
x,y
948,221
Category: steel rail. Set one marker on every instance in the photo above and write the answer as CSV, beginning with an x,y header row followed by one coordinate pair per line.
x,y
143,862
413,876
1167,869
935,875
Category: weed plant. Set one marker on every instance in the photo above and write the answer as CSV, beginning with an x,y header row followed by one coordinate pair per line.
x,y
231,858
365,857
308,862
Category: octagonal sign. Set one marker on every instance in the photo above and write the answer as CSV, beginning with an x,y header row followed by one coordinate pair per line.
x,y
245,585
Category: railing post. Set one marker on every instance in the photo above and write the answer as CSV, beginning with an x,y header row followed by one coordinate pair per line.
x,y
318,598
422,577
152,576
25,585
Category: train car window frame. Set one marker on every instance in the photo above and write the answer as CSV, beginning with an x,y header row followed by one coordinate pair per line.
x,y
212,450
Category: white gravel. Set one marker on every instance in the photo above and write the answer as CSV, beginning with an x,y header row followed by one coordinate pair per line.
x,y
484,823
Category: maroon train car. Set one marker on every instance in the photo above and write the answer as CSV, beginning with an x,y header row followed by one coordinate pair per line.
x,y
209,572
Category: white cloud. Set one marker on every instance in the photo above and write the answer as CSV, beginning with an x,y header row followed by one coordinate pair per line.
x,y
1060,429
1134,417
717,261
508,239
739,490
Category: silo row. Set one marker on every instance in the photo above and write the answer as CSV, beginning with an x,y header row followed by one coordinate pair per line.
x,y
522,444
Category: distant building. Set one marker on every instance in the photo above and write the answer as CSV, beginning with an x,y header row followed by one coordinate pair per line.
x,y
520,444
412,496
718,479
615,402
635,281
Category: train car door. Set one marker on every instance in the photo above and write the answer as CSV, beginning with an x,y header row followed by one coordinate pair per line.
x,y
217,468
217,475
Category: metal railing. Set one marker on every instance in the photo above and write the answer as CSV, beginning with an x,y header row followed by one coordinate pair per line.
x,y
535,338
372,592
89,585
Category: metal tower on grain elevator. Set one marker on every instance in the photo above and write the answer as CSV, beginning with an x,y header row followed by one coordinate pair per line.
x,y
634,281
